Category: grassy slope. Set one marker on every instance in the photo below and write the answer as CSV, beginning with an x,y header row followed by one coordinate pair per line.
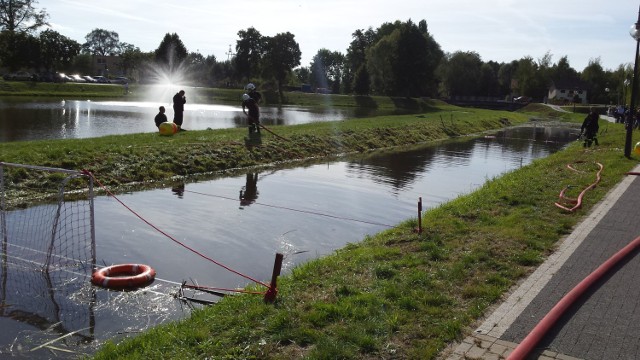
x,y
399,294
150,158
395,295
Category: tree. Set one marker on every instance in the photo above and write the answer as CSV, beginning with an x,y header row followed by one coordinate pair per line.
x,y
526,76
101,42
594,75
19,50
303,74
82,63
249,52
562,72
361,81
171,52
489,85
281,56
618,83
199,67
18,20
460,74
506,77
57,51
355,69
404,62
131,58
20,16
380,66
222,73
326,69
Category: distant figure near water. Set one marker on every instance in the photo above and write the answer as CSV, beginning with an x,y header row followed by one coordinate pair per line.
x,y
253,114
590,128
178,107
161,117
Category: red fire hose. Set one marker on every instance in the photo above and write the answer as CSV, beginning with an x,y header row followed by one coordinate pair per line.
x,y
538,332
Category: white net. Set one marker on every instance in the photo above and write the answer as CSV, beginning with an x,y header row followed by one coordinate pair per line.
x,y
48,248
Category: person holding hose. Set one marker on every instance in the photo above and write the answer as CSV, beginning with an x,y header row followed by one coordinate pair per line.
x,y
253,114
590,128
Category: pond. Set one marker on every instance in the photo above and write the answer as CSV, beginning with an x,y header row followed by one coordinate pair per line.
x,y
24,119
241,222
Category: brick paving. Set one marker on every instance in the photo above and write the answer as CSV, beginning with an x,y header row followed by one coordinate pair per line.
x,y
605,323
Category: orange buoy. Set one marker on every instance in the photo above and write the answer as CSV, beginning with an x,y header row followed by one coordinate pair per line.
x,y
123,276
168,128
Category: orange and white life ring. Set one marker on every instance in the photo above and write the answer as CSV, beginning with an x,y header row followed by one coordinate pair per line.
x,y
123,276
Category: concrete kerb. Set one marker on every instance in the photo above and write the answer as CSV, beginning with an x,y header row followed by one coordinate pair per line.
x,y
485,342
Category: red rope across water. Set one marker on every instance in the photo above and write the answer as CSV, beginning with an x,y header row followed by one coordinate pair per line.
x,y
171,237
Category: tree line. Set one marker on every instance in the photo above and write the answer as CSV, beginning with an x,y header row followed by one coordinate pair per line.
x,y
398,58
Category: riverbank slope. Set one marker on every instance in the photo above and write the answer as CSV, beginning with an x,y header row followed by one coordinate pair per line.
x,y
150,159
394,295
400,294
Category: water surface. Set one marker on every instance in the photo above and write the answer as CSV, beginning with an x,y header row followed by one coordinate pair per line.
x,y
242,222
24,119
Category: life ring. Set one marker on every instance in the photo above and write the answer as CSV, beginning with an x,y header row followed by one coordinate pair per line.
x,y
123,276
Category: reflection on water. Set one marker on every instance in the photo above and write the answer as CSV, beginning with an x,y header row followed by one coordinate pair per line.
x,y
303,212
249,192
26,119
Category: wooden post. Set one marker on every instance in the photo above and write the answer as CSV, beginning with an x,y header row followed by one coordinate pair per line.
x,y
420,215
270,295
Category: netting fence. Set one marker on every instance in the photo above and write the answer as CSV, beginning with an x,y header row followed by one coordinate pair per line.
x,y
47,231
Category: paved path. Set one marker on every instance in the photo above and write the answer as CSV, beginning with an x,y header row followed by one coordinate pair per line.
x,y
556,107
605,323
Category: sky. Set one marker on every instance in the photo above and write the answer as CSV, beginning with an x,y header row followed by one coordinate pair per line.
x,y
498,30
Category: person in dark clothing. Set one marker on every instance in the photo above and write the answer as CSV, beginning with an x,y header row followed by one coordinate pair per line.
x,y
161,117
253,114
178,107
590,128
255,95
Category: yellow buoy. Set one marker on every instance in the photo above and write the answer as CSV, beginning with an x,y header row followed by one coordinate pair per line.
x,y
168,128
636,149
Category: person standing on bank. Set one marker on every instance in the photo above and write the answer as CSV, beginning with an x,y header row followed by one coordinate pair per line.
x,y
590,127
253,116
161,117
255,95
178,108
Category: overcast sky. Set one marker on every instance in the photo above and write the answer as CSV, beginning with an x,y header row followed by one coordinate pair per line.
x,y
498,30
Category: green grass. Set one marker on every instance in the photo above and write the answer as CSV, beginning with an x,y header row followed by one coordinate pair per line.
x,y
67,90
400,294
149,159
397,294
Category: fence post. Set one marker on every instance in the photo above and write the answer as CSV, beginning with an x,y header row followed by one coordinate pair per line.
x,y
270,295
420,215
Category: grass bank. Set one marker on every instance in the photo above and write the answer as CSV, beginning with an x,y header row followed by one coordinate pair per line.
x,y
394,295
149,159
64,90
400,294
